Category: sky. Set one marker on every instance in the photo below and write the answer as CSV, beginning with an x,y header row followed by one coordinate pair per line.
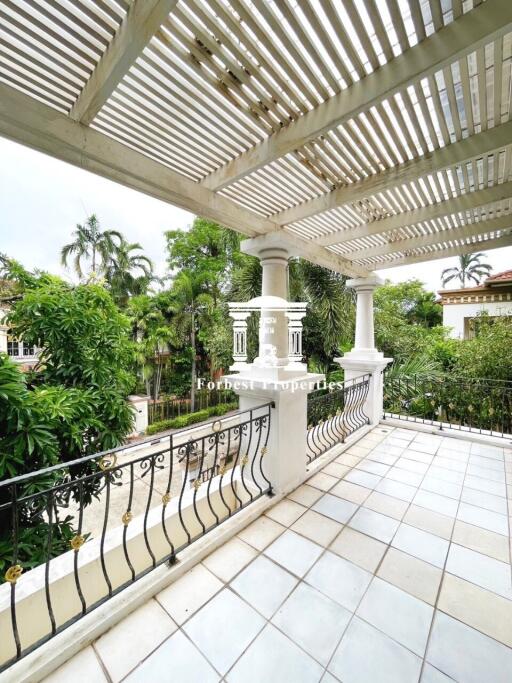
x,y
42,199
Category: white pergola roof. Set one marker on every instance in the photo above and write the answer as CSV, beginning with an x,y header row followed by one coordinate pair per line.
x,y
369,133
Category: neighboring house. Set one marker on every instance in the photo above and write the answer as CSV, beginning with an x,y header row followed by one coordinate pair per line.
x,y
15,348
462,307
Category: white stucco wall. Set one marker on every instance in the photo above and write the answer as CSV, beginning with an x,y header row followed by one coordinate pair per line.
x,y
3,332
455,314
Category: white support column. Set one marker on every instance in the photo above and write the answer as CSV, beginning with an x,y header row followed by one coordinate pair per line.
x,y
273,377
273,324
364,357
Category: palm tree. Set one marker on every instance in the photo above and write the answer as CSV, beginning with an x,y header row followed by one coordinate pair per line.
x,y
92,244
192,306
119,272
469,268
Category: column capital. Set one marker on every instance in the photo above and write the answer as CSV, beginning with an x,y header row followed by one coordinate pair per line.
x,y
365,284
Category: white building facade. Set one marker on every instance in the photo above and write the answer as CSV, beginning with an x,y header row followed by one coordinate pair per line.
x,y
462,308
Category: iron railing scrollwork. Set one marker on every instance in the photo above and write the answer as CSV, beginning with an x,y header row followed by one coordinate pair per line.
x,y
188,484
447,402
335,414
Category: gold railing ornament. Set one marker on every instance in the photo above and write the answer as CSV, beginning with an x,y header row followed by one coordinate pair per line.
x,y
196,484
217,426
166,499
245,460
470,408
491,411
222,470
77,542
127,517
263,451
451,406
13,573
107,462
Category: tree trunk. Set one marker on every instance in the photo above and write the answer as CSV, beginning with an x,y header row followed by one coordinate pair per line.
x,y
193,344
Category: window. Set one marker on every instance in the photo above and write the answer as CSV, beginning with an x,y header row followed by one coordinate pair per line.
x,y
13,347
28,350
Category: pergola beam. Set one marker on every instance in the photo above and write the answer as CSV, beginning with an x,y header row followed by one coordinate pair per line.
x,y
142,21
34,124
460,152
447,235
464,202
483,245
474,29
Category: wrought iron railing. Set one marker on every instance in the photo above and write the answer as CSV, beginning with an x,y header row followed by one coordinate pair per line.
x,y
335,414
446,402
106,520
169,408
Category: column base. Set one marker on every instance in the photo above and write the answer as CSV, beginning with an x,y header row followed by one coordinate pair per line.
x,y
253,372
286,460
373,364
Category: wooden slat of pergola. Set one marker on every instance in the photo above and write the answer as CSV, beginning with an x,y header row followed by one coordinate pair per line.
x,y
366,134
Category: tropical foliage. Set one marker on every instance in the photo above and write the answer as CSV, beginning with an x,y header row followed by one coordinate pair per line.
x,y
91,244
74,404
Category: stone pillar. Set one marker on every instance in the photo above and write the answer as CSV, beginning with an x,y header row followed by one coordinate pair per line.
x,y
272,377
273,324
285,461
364,357
139,406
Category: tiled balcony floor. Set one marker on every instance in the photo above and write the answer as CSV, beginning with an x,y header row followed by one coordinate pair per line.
x,y
392,564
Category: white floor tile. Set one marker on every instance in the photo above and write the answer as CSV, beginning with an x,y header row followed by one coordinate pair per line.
x,y
313,621
339,579
373,467
411,465
177,659
184,597
398,614
264,585
263,531
481,569
497,488
374,524
229,559
397,489
432,675
445,475
273,657
84,667
223,629
485,500
404,476
492,521
489,463
365,655
336,508
421,544
293,552
437,503
119,659
486,473
444,488
467,655
366,479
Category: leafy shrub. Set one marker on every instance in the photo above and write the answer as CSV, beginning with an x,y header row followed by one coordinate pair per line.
x,y
185,420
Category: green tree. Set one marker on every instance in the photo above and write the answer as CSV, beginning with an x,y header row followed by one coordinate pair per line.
x,y
92,244
192,305
75,402
470,268
128,273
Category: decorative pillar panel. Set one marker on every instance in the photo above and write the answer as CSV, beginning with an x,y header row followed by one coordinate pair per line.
x,y
295,332
239,338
